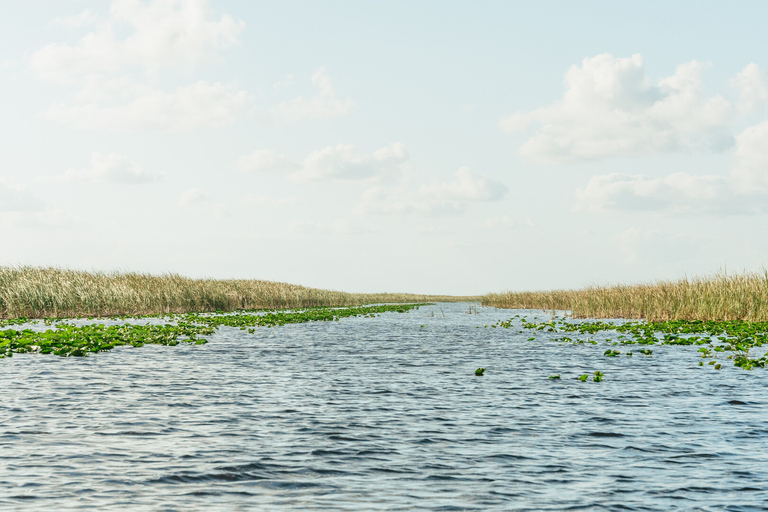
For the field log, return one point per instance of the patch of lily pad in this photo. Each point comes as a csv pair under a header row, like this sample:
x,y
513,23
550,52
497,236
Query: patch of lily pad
x,y
736,340
67,339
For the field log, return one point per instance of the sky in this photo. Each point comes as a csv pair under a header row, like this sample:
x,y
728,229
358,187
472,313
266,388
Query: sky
x,y
437,147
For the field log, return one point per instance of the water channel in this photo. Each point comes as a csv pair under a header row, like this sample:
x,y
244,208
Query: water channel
x,y
381,413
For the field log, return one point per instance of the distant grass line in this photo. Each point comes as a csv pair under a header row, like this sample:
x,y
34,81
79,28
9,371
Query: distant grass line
x,y
718,297
43,292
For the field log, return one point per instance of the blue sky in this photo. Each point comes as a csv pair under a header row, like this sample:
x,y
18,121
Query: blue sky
x,y
436,147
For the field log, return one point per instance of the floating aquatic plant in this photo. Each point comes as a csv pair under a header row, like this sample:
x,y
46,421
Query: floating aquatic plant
x,y
479,372
81,340
738,337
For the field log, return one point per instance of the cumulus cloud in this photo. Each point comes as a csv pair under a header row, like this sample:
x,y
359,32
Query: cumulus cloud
x,y
610,107
194,198
750,171
323,104
200,201
193,106
85,18
339,227
743,191
343,162
385,167
505,222
15,197
445,197
110,168
678,194
265,160
752,85
159,33
339,163
283,84
265,200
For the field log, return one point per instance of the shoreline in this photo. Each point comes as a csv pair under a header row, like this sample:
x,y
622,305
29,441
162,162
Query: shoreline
x,y
721,297
50,292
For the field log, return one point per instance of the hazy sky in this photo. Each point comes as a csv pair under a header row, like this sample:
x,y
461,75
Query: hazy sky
x,y
419,146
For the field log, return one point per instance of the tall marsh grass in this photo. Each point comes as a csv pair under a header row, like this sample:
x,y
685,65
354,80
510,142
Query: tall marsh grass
x,y
719,297
39,292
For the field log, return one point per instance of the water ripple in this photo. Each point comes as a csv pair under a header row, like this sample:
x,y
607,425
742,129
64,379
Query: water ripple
x,y
380,414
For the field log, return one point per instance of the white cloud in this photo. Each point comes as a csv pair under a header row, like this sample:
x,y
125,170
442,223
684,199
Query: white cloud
x,y
194,198
15,197
85,18
677,194
339,227
284,83
323,104
199,201
339,163
435,197
160,33
610,107
743,191
193,106
753,88
265,200
265,160
342,162
110,168
750,172
506,222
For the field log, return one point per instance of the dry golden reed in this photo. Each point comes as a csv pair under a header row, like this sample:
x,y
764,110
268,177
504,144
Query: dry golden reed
x,y
40,292
718,297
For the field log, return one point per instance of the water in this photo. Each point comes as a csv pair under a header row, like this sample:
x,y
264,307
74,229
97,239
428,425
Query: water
x,y
381,414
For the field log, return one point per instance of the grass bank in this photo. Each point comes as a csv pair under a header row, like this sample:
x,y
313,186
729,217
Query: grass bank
x,y
40,292
719,297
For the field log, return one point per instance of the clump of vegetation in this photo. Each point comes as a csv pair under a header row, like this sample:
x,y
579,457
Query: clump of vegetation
x,y
738,339
38,292
479,372
596,377
80,340
721,297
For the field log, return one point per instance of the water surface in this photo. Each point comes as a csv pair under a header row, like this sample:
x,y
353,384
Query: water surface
x,y
381,413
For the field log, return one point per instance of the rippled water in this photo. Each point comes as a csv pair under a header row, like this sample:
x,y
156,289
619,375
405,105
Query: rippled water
x,y
381,414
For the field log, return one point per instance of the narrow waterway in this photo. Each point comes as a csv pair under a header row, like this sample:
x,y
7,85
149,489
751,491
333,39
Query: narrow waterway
x,y
381,413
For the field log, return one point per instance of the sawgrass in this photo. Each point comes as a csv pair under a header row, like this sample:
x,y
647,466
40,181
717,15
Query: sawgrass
x,y
41,292
718,297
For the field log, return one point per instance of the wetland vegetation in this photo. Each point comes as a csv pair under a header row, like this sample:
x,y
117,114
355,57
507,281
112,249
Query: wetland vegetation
x,y
39,292
737,340
725,316
721,297
68,339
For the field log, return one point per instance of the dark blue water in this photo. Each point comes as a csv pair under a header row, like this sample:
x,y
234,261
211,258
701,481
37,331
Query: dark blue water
x,y
381,414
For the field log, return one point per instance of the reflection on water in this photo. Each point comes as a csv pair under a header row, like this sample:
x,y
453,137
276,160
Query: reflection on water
x,y
381,414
